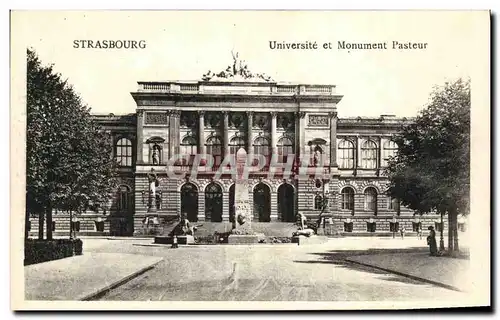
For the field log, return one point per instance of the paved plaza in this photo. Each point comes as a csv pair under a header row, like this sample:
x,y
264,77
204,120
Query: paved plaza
x,y
280,272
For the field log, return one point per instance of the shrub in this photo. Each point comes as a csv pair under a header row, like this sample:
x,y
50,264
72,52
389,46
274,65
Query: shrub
x,y
36,251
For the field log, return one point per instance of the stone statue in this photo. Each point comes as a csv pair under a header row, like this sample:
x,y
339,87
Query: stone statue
x,y
184,227
301,220
238,68
303,229
153,183
235,62
317,158
158,200
156,156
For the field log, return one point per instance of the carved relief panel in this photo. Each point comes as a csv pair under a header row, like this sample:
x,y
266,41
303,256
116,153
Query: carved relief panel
x,y
157,118
317,120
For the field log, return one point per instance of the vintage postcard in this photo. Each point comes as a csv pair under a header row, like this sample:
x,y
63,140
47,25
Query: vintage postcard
x,y
236,160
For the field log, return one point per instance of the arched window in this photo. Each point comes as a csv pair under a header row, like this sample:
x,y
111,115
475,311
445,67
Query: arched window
x,y
188,147
369,155
214,148
371,199
124,199
318,202
189,201
235,144
124,152
346,154
390,150
261,146
285,148
347,198
213,202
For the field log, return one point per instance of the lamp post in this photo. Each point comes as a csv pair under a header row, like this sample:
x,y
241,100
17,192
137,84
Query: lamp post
x,y
393,227
441,241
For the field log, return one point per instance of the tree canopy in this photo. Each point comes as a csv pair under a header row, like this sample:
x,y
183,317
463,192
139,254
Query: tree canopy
x,y
68,156
431,170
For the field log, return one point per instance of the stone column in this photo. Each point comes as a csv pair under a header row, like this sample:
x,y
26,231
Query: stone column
x,y
112,142
139,140
358,152
201,133
379,156
273,132
250,133
333,139
226,132
171,136
177,130
380,151
300,135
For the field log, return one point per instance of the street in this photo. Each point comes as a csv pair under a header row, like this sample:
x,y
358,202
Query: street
x,y
281,272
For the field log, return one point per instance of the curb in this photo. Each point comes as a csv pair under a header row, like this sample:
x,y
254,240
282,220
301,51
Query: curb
x,y
436,283
100,292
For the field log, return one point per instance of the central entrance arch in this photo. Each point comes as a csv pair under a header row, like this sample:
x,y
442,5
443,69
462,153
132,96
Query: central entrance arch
x,y
189,201
262,203
213,202
286,202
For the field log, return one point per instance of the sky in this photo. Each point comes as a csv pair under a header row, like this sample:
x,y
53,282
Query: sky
x,y
183,45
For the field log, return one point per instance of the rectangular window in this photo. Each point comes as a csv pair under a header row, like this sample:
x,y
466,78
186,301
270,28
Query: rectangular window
x,y
394,226
99,226
75,225
371,227
416,226
348,226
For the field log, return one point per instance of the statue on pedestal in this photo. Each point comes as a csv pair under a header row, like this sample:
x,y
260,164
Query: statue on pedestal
x,y
155,156
184,227
153,182
303,229
243,215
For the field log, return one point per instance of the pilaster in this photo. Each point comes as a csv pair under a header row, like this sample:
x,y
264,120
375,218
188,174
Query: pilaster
x,y
333,139
201,132
250,133
225,131
273,132
140,138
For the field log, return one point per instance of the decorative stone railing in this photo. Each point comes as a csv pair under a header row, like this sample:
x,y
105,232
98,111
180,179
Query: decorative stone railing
x,y
230,87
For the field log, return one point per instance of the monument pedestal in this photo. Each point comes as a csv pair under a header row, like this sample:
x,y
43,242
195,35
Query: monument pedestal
x,y
243,239
303,240
169,240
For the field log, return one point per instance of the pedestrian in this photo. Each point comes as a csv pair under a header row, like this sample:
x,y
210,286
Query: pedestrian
x,y
431,241
419,232
403,231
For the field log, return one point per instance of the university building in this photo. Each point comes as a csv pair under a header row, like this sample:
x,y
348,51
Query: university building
x,y
344,157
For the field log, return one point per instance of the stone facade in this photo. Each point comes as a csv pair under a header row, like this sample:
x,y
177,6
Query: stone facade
x,y
347,156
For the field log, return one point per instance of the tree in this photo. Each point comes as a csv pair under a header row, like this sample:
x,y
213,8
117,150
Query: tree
x,y
431,170
68,162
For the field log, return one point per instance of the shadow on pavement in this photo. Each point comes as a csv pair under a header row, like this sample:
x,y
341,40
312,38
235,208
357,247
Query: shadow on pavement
x,y
336,258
